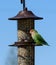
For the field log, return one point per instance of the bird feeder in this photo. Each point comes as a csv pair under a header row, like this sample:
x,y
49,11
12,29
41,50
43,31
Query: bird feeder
x,y
25,22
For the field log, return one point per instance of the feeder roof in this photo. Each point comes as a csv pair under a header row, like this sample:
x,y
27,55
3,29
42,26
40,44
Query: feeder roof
x,y
25,14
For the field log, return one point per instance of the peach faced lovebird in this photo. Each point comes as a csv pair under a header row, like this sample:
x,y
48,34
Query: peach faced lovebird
x,y
37,38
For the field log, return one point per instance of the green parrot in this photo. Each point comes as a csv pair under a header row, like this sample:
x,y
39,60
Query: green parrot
x,y
37,38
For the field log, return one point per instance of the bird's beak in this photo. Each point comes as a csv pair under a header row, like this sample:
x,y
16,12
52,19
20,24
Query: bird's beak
x,y
30,32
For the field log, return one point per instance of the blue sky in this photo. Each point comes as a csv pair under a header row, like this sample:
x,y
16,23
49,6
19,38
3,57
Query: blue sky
x,y
46,27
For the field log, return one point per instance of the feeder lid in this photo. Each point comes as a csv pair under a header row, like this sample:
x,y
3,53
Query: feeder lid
x,y
25,14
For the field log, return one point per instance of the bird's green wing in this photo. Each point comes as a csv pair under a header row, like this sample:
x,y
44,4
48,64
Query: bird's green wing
x,y
35,38
40,38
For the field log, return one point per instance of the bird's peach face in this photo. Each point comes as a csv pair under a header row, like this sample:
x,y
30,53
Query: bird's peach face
x,y
31,31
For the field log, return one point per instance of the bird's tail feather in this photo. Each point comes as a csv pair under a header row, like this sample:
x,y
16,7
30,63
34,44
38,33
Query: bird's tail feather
x,y
46,44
